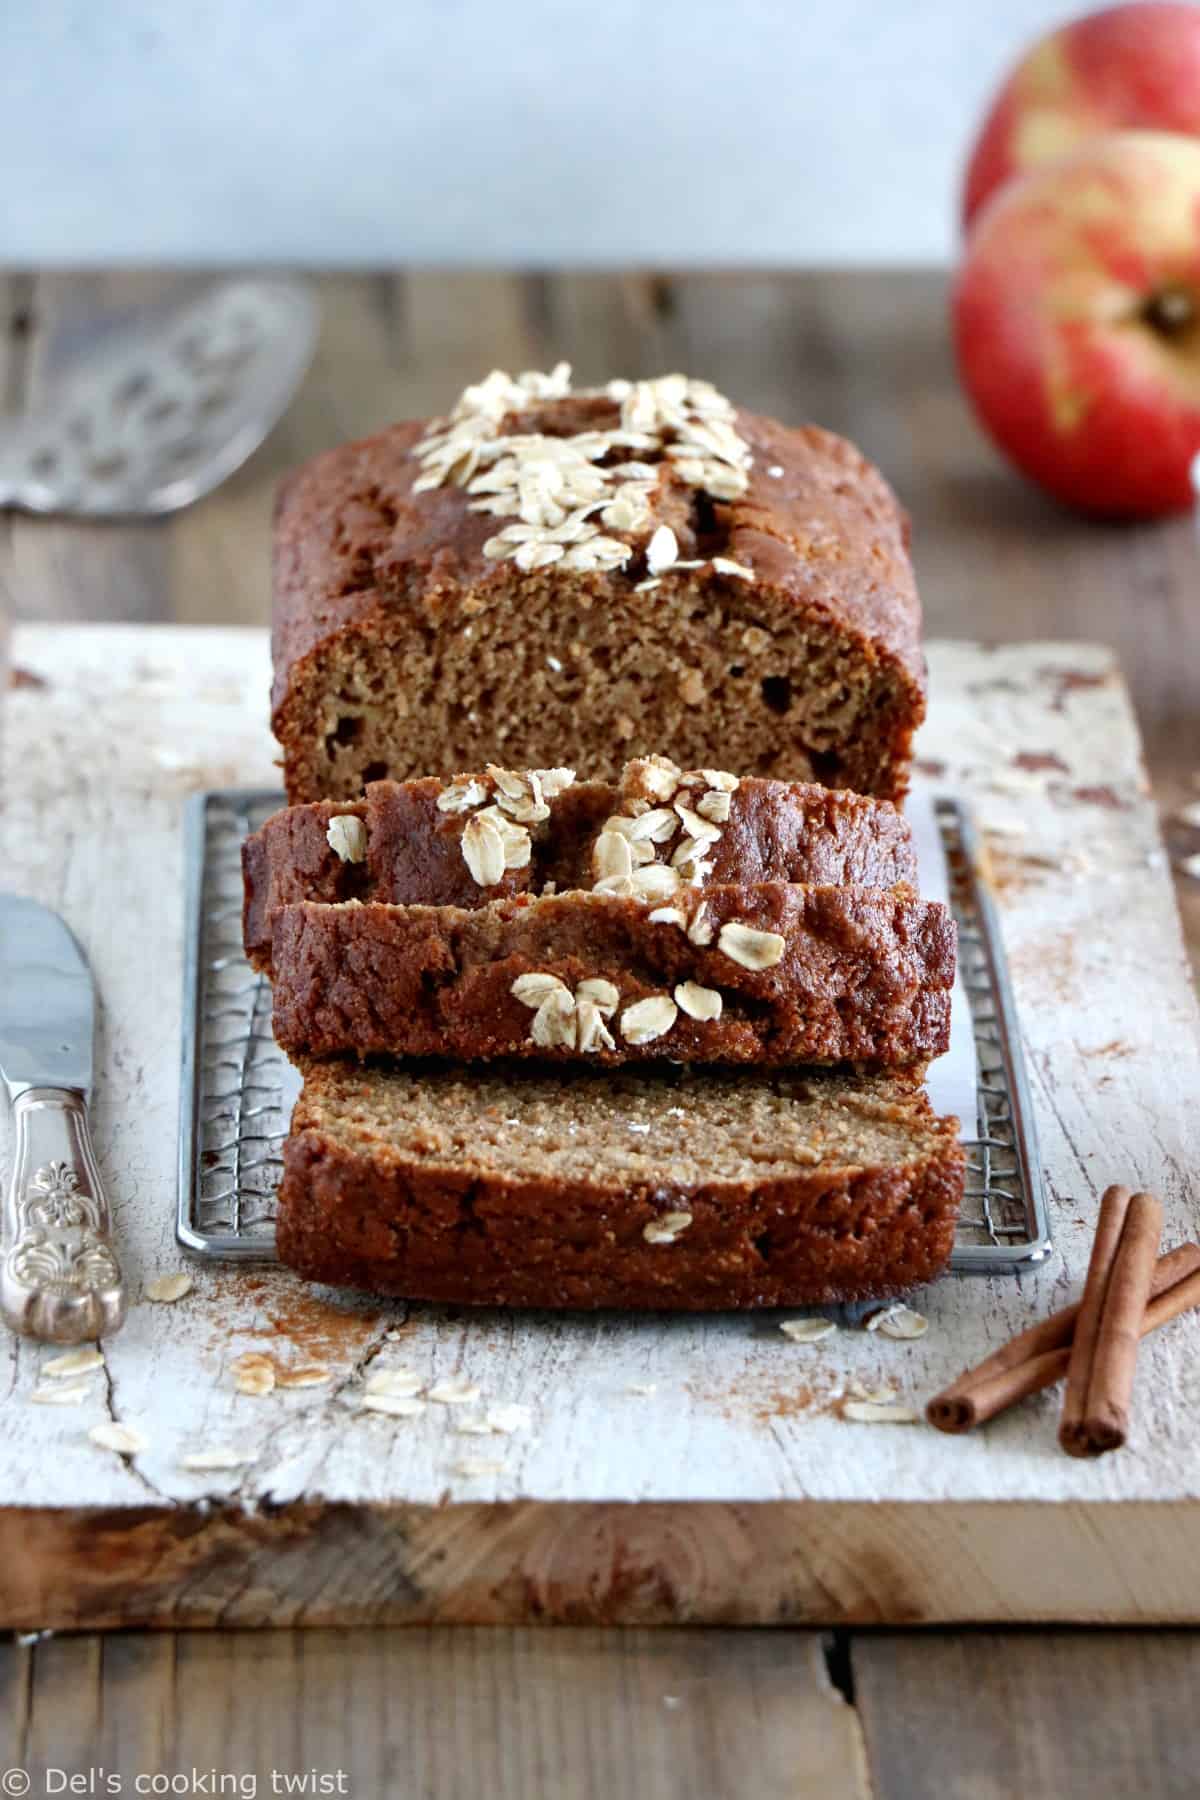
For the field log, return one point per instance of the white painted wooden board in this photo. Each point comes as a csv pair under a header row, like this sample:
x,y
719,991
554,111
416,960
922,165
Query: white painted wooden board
x,y
755,1499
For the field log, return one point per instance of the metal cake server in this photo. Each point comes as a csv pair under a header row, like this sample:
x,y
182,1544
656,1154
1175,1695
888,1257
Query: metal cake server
x,y
157,415
59,1275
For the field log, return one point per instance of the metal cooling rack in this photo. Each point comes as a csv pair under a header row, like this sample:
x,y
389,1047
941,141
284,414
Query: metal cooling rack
x,y
238,1088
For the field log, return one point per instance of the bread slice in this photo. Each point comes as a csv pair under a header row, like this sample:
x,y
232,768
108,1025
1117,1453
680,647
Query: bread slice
x,y
404,842
618,570
659,1189
773,973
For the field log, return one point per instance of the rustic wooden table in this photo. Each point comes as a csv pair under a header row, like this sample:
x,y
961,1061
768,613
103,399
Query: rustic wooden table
x,y
457,1712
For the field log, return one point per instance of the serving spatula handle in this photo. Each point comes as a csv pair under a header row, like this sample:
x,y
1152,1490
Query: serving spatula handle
x,y
59,1275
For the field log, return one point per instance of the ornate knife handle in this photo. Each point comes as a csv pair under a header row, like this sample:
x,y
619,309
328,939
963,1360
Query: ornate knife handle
x,y
59,1276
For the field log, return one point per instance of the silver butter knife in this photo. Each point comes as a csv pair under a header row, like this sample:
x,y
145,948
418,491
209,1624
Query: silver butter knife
x,y
59,1275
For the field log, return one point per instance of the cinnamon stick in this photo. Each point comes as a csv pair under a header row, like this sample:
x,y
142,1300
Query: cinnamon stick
x,y
1038,1357
1095,1415
1114,1207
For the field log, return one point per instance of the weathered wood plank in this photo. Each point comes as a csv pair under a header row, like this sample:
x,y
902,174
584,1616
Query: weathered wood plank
x,y
521,1715
1016,1714
740,1420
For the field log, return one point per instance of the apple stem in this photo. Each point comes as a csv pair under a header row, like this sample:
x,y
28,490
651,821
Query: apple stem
x,y
1171,310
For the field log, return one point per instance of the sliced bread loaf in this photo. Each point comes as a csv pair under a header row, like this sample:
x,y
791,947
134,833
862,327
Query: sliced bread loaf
x,y
414,842
663,1189
619,570
771,973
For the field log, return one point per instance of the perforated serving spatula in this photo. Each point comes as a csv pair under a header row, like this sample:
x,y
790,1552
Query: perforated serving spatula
x,y
59,1275
156,416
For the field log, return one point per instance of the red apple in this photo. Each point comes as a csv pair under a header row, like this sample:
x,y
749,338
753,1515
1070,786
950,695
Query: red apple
x,y
1127,67
1077,322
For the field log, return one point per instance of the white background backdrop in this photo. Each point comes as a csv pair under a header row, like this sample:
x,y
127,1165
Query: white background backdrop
x,y
508,131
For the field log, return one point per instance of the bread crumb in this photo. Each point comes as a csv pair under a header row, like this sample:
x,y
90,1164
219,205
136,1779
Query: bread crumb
x,y
456,1390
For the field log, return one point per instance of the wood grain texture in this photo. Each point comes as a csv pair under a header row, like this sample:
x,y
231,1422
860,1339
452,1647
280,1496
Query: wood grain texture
x,y
741,1424
443,1715
1107,1714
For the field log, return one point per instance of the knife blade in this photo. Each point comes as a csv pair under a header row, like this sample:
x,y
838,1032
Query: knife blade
x,y
59,1275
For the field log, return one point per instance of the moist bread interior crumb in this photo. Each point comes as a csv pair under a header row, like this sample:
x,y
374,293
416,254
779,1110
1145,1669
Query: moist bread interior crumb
x,y
624,1128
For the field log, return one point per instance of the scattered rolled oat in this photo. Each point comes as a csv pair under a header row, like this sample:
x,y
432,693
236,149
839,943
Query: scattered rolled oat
x,y
898,1321
666,1228
1190,866
554,781
655,882
394,1381
648,1019
256,1382
253,1373
657,776
126,1440
61,1393
879,1396
555,1023
612,857
642,1389
347,837
807,1331
456,1390
600,992
698,1002
879,1412
701,831
396,1406
220,1457
669,915
473,1427
73,1362
592,1033
725,565
304,1375
752,948
662,550
461,796
552,487
483,851
168,1288
701,931
1189,815
653,826
715,806
536,987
